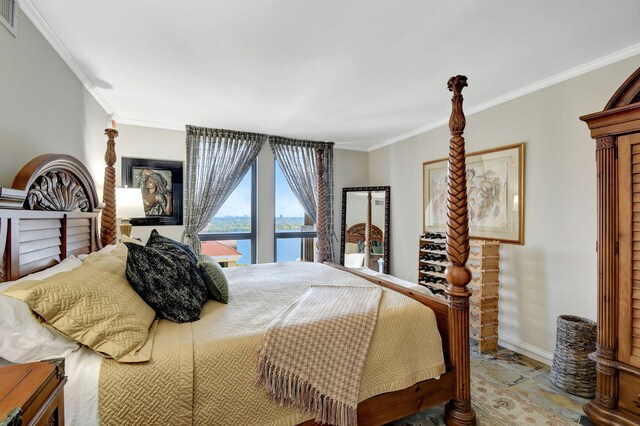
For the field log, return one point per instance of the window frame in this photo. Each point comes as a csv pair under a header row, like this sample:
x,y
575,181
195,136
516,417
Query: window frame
x,y
285,234
213,236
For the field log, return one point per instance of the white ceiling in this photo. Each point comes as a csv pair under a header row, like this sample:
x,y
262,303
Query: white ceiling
x,y
358,72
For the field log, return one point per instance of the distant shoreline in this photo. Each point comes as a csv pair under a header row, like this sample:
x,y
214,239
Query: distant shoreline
x,y
227,224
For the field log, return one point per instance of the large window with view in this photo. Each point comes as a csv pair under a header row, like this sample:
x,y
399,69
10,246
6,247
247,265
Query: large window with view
x,y
230,236
294,230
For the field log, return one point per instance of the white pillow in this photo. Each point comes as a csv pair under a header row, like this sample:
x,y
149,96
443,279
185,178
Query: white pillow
x,y
22,337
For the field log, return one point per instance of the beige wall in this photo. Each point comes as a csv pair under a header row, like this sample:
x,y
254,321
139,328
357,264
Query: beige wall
x,y
44,108
554,273
350,169
145,142
150,143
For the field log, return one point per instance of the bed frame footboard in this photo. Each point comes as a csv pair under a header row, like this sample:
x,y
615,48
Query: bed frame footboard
x,y
452,314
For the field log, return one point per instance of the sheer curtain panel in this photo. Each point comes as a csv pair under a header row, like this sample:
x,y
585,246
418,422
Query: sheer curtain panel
x,y
297,159
217,160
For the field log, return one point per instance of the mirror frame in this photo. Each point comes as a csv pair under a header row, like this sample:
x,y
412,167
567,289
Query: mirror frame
x,y
387,215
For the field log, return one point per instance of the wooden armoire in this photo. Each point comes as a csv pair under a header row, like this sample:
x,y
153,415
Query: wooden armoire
x,y
616,130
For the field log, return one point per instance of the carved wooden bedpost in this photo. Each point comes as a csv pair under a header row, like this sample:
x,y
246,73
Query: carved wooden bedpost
x,y
321,219
367,233
108,231
458,410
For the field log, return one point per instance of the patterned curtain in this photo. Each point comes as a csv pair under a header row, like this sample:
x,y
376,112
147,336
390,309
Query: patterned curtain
x,y
297,159
217,160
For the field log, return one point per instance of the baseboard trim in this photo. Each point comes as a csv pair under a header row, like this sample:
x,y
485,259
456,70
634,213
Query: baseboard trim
x,y
526,349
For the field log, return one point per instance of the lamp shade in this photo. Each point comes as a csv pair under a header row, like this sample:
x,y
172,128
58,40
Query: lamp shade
x,y
129,203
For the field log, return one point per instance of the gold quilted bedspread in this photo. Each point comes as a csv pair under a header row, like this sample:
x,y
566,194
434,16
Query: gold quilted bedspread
x,y
204,373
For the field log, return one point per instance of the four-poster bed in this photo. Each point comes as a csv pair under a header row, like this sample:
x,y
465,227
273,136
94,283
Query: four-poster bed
x,y
31,240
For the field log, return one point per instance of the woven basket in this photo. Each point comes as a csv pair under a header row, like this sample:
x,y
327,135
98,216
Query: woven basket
x,y
572,369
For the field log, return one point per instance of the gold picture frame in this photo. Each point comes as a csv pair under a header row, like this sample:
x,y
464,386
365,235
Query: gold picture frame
x,y
495,189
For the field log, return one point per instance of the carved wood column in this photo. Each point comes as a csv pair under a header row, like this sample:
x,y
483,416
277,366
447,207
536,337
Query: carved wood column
x,y
458,410
607,376
108,225
321,219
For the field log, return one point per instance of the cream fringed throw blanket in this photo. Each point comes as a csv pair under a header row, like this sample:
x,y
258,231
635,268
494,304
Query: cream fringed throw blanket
x,y
313,354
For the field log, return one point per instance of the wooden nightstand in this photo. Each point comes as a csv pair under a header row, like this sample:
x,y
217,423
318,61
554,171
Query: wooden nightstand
x,y
32,394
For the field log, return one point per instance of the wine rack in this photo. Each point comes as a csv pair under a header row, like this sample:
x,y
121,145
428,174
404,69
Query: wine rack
x,y
484,263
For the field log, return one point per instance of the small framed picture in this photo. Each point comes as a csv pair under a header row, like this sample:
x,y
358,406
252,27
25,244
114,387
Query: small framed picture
x,y
161,185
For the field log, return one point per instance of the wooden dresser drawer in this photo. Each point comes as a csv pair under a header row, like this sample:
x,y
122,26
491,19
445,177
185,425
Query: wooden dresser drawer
x,y
32,393
629,399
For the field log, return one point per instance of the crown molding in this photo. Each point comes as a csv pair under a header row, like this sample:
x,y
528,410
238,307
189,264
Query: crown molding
x,y
419,130
47,32
347,146
156,124
547,82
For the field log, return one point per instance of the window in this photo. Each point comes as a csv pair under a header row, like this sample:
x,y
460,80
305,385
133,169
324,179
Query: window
x,y
9,15
230,237
294,230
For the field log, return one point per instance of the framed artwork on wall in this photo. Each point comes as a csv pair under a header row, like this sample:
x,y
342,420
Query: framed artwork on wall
x,y
495,189
161,185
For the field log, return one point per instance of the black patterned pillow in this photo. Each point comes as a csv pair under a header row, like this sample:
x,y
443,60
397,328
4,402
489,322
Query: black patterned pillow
x,y
166,281
163,243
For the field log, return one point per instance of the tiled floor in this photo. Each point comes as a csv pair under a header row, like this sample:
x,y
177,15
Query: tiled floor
x,y
520,377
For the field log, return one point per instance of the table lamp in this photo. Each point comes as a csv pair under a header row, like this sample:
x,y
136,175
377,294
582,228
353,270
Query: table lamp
x,y
128,205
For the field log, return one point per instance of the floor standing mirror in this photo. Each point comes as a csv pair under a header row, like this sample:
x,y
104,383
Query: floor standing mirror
x,y
365,227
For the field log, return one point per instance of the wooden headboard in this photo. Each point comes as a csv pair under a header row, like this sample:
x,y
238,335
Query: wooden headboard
x,y
49,212
357,233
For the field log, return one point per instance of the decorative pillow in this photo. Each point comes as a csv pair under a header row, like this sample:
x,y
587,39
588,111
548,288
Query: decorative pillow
x,y
161,242
120,250
93,304
351,248
360,246
22,337
214,278
167,281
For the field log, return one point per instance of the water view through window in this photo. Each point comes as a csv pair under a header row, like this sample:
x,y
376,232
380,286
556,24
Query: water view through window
x,y
235,213
229,235
235,220
289,219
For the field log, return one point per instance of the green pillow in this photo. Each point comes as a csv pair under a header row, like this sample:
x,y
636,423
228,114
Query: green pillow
x,y
214,278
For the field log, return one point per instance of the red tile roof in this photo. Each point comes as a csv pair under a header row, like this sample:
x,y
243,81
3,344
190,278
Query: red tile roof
x,y
217,249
